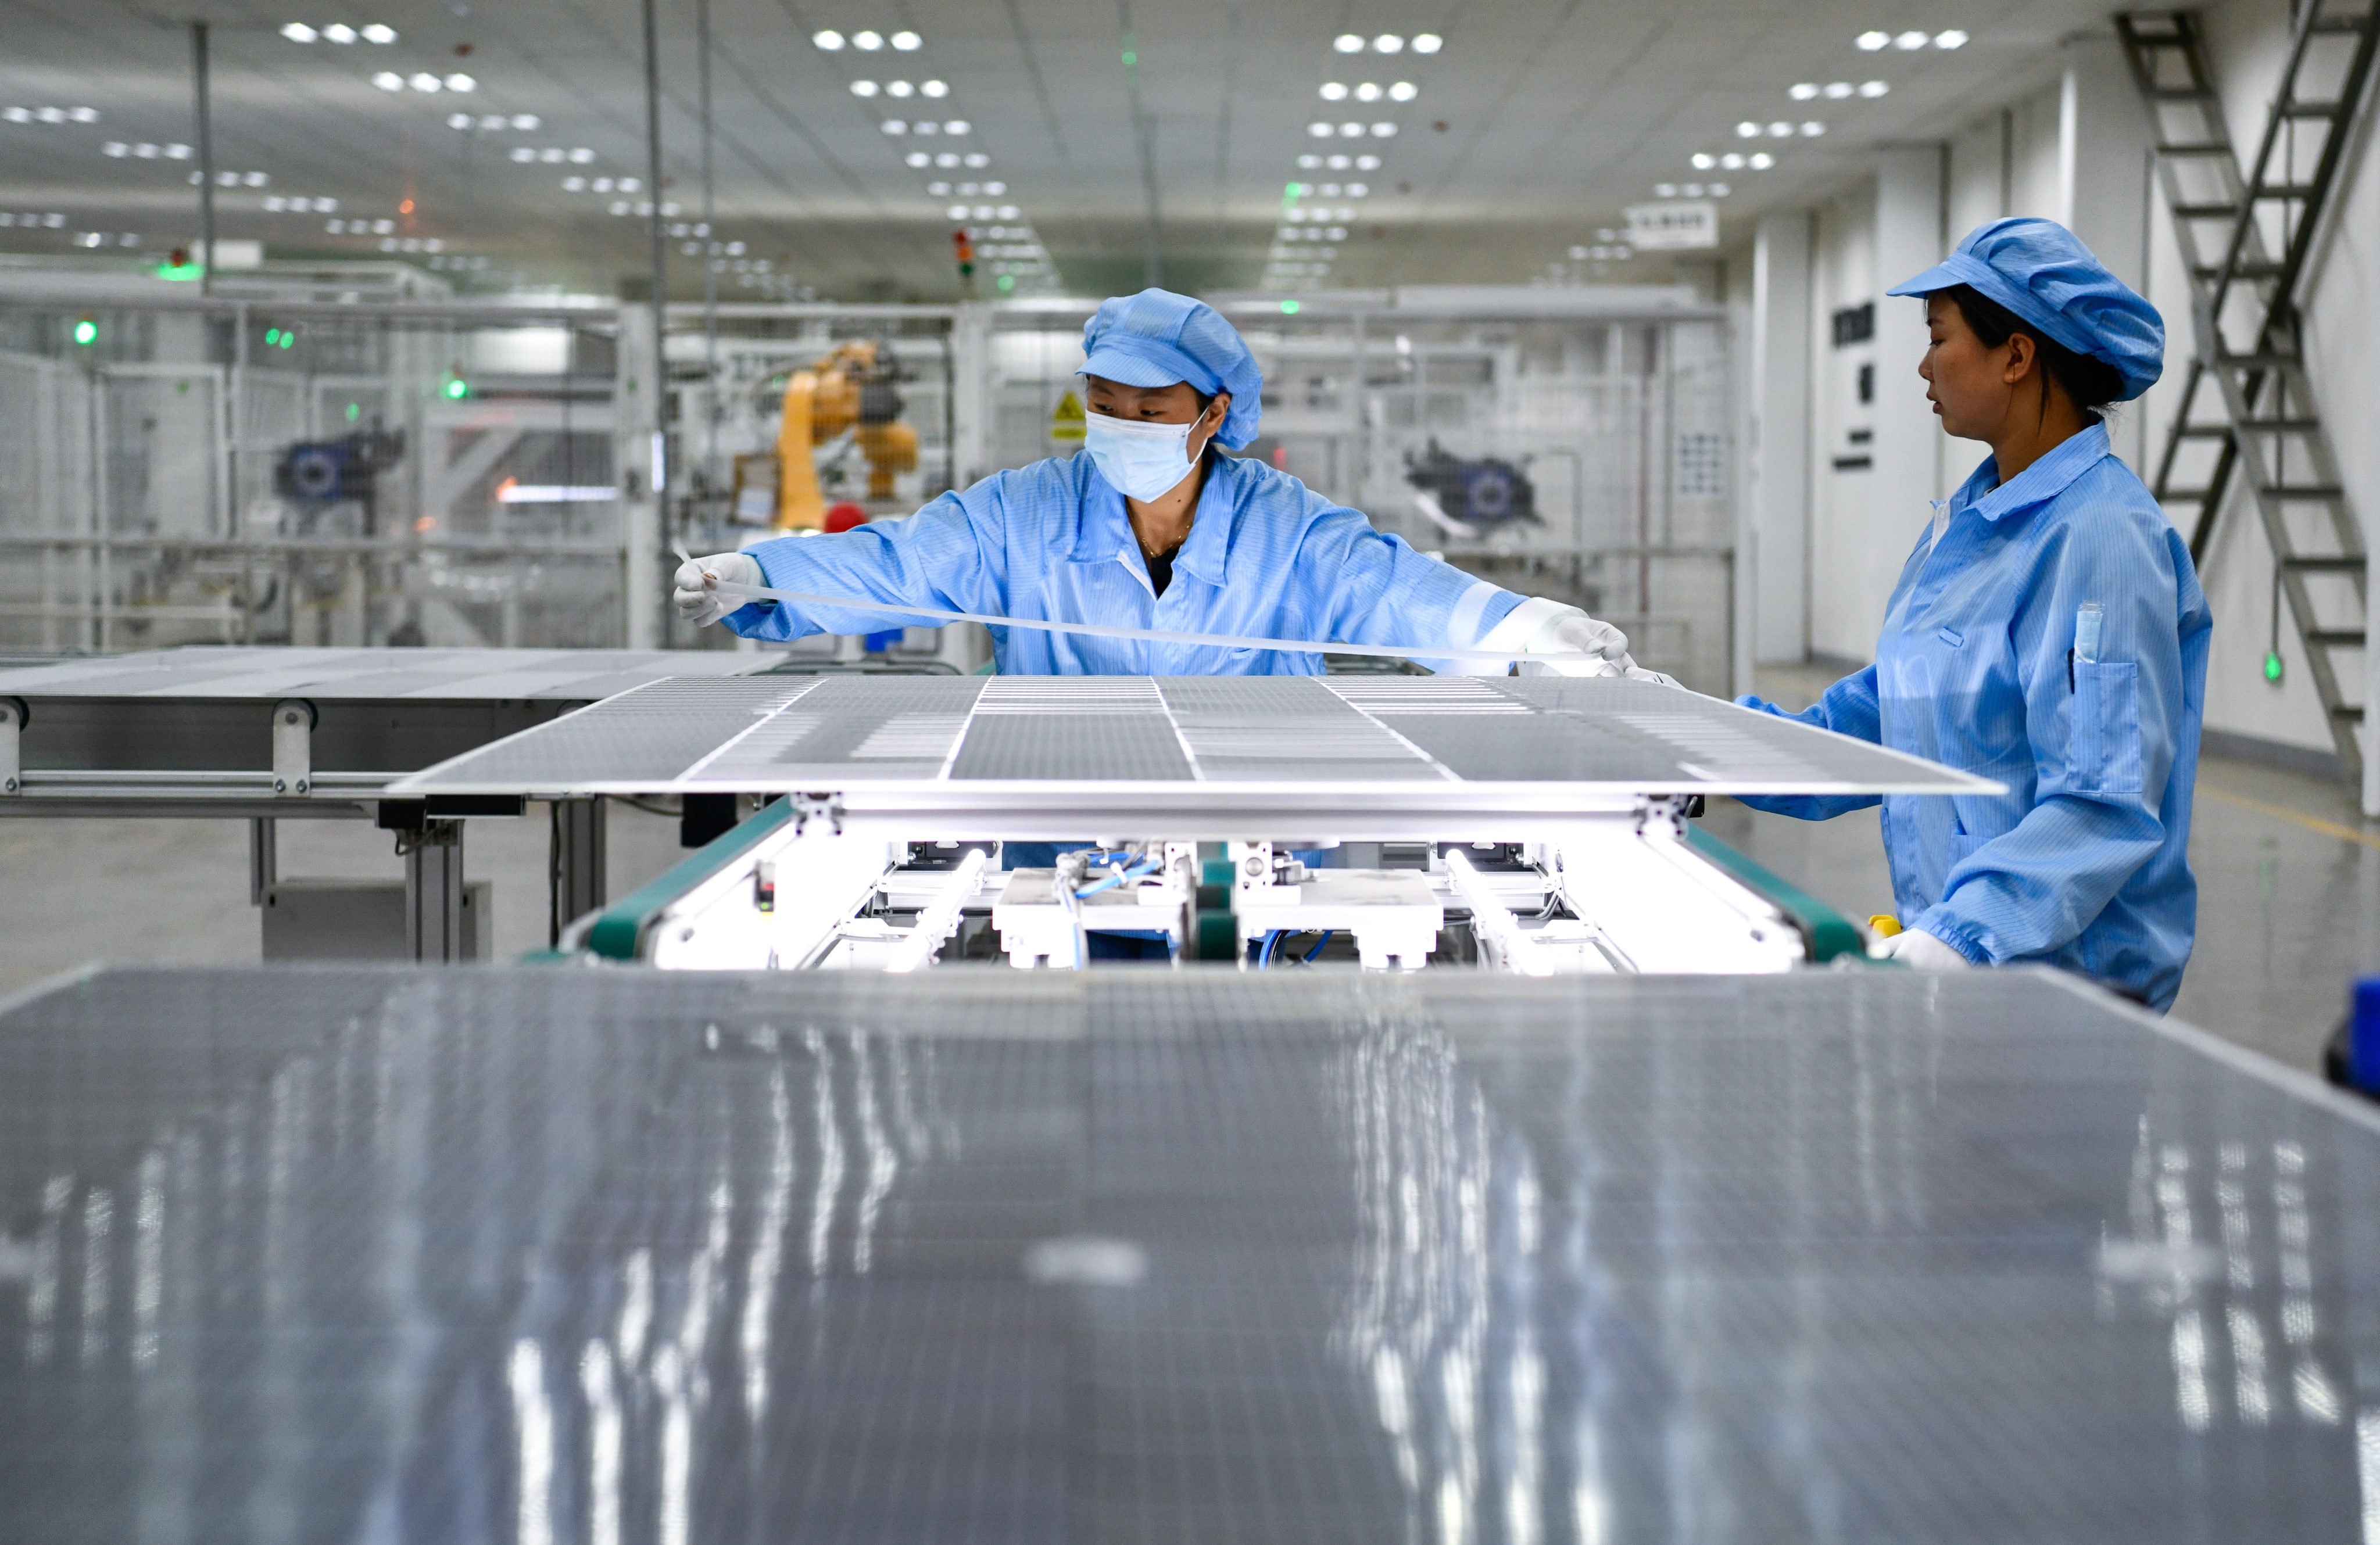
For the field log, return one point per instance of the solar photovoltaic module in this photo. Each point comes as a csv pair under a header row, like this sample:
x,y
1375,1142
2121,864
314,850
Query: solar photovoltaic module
x,y
575,1256
1452,738
378,675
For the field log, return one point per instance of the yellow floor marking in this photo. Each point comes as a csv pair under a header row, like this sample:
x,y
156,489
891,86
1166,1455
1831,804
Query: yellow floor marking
x,y
2295,818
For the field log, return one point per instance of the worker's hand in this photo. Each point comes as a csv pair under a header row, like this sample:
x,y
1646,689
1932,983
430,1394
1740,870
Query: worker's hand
x,y
1635,672
1915,947
696,601
1571,631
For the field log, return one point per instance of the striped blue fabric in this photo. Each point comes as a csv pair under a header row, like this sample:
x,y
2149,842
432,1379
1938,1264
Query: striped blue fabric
x,y
2084,863
1267,557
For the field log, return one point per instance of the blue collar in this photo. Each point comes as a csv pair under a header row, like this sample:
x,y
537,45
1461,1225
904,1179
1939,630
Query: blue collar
x,y
1104,531
2038,483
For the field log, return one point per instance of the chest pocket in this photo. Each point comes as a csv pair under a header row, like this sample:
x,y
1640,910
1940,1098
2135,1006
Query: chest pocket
x,y
2103,745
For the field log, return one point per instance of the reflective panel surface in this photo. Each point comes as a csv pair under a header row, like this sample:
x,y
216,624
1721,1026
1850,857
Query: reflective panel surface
x,y
571,1255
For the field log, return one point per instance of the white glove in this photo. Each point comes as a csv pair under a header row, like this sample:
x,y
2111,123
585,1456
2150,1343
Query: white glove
x,y
1915,947
1635,672
696,601
1571,631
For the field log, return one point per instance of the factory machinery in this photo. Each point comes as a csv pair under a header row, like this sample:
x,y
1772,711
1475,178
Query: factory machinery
x,y
1534,824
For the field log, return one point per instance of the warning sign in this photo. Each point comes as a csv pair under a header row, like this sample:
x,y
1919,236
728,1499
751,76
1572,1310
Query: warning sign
x,y
1066,418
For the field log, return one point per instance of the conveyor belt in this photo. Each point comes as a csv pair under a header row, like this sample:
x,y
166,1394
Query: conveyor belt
x,y
1460,738
575,1255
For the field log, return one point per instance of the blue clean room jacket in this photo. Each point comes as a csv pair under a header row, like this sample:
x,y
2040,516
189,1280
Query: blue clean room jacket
x,y
1266,557
2084,862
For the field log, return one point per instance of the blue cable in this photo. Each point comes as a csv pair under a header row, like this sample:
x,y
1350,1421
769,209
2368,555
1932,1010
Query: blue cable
x,y
1148,866
1271,942
1307,958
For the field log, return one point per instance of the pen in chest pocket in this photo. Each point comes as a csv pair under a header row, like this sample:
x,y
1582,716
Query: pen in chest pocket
x,y
2089,620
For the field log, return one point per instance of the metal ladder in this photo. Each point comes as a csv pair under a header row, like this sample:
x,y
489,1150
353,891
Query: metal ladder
x,y
2245,240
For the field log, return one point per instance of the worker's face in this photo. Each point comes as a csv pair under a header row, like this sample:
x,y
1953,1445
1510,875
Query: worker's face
x,y
1974,389
1176,404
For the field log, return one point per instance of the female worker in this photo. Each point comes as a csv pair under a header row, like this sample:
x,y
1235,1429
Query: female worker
x,y
2048,632
1153,528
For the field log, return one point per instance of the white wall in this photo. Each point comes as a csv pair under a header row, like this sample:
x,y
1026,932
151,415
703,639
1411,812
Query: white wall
x,y
1843,616
1777,399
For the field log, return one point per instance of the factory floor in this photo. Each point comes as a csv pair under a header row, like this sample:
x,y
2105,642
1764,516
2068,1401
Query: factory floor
x,y
2288,877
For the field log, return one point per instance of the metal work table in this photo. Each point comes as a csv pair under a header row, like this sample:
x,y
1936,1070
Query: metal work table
x,y
273,734
598,1255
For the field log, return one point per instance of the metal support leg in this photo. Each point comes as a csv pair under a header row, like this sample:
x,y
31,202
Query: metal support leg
x,y
704,817
435,926
263,858
575,859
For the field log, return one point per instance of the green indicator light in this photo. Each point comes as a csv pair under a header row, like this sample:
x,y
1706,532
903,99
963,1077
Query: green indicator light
x,y
179,271
271,337
1289,308
1130,57
1007,282
354,411
288,338
458,390
85,333
2272,666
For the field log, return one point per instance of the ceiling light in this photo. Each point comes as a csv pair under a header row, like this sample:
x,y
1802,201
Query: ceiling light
x,y
863,88
297,31
17,115
1909,43
1334,90
1747,130
866,42
1348,42
83,115
523,153
996,189
274,203
425,81
920,159
573,185
619,206
176,152
51,114
938,189
1384,132
1813,129
1388,42
1576,253
1802,91
377,32
1872,88
1665,190
1731,161
907,42
1428,42
1403,90
894,125
1951,39
1367,164
461,83
114,148
1837,89
600,185
1760,161
1319,131
463,120
256,179
977,158
1870,41
1357,190
1367,91
627,185
1704,161
1007,211
581,155
936,87
830,39
389,81
1718,190
1692,190
520,120
1780,132
339,33
956,211
958,126
1309,162
969,190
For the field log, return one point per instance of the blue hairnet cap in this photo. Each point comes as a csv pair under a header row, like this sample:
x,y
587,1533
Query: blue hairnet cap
x,y
2041,270
1157,338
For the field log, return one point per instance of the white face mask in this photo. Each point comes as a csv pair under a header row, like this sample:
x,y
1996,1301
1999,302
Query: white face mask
x,y
1139,459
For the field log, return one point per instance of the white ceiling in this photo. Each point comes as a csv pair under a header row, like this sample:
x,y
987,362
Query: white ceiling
x,y
1534,125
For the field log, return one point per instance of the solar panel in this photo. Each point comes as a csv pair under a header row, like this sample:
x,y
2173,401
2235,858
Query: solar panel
x,y
1453,737
539,1254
